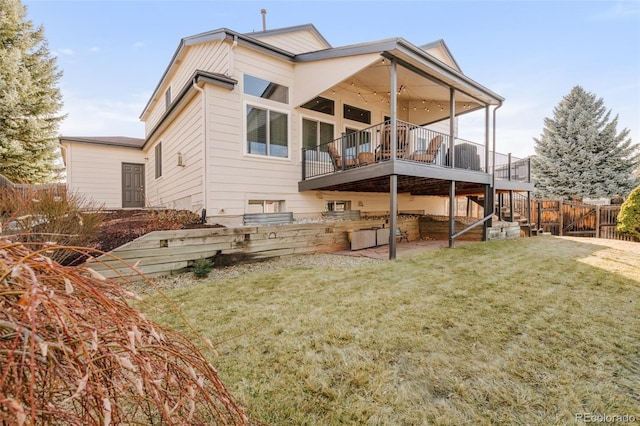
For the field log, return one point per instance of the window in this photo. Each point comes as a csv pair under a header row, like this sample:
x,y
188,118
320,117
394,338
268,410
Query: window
x,y
266,206
358,140
337,206
356,114
158,158
315,133
265,89
320,104
421,145
315,136
167,98
267,132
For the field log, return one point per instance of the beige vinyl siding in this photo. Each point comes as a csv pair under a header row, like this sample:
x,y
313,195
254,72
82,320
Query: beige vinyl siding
x,y
210,57
264,66
96,171
234,176
179,187
295,42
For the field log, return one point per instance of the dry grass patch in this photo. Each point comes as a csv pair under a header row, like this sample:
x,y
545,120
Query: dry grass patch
x,y
506,332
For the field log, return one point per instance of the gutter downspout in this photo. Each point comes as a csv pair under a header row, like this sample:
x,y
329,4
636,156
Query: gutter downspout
x,y
493,161
232,56
205,151
65,153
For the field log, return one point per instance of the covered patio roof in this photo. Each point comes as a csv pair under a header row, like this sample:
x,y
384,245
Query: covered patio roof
x,y
423,81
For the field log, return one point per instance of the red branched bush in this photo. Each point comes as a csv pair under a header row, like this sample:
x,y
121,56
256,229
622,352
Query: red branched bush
x,y
74,352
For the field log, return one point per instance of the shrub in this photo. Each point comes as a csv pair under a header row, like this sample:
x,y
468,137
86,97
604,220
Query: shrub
x,y
73,351
176,218
47,217
202,267
629,216
120,227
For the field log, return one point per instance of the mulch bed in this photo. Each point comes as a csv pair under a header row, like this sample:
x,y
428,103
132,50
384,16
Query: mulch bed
x,y
122,226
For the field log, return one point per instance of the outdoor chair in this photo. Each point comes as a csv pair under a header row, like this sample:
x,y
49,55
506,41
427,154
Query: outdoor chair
x,y
428,155
402,235
365,158
383,151
336,158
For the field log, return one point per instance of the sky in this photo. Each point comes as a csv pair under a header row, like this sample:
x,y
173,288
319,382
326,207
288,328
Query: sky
x,y
532,53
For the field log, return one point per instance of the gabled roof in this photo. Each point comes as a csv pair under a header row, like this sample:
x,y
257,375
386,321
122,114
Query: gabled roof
x,y
289,30
432,60
198,77
120,141
217,35
440,45
412,57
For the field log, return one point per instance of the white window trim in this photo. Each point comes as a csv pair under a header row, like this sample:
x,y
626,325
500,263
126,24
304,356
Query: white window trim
x,y
268,105
168,98
155,161
318,119
258,98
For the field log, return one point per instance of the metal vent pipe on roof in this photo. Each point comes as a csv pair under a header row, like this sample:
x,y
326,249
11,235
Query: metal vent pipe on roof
x,y
264,19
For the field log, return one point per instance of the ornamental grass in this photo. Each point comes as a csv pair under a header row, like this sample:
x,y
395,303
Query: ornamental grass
x,y
73,351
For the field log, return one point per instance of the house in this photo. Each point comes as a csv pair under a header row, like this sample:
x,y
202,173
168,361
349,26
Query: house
x,y
280,121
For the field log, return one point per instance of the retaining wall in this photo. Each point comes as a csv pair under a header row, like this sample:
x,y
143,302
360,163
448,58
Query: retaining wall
x,y
167,252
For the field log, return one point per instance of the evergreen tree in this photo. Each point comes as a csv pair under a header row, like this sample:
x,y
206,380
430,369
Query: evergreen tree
x,y
580,153
629,216
29,99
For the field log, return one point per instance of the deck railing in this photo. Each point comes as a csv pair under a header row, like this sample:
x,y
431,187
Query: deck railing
x,y
512,168
414,143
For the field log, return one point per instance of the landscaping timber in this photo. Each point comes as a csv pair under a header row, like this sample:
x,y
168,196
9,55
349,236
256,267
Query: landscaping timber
x,y
166,252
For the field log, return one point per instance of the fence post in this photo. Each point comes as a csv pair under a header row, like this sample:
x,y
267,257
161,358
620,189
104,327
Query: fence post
x,y
560,218
597,221
529,211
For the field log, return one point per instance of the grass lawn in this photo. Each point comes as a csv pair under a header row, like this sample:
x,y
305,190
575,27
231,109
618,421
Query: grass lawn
x,y
527,331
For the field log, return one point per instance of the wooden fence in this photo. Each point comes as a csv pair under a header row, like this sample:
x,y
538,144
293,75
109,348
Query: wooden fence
x,y
27,189
561,217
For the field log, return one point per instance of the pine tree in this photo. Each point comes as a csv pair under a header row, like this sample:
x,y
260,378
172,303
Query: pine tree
x,y
580,153
629,216
30,100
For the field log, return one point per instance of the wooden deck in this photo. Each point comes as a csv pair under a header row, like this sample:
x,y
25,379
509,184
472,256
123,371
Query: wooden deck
x,y
362,162
413,177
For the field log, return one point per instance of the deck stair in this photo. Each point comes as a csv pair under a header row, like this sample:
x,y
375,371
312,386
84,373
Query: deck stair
x,y
504,213
517,217
478,199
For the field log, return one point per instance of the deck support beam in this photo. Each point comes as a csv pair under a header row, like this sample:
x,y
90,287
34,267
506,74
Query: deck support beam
x,y
393,179
511,206
452,212
393,215
488,210
452,163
